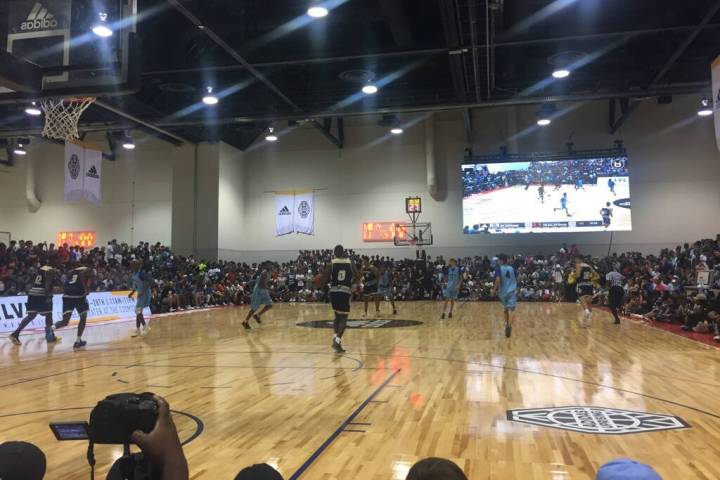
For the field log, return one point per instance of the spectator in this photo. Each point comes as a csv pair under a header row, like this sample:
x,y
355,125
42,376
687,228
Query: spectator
x,y
21,461
626,469
260,471
435,469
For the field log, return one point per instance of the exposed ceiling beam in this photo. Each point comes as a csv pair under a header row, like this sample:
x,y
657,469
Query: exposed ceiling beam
x,y
397,19
241,60
169,136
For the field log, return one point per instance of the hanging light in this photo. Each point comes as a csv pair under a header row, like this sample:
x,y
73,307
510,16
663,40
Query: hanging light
x,y
545,114
544,122
100,27
317,11
271,137
561,73
20,150
705,108
128,142
33,109
396,130
369,89
210,98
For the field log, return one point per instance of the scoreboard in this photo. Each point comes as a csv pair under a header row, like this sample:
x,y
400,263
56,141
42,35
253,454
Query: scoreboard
x,y
76,239
381,232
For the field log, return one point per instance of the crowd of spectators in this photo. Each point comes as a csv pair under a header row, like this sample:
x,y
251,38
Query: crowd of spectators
x,y
656,289
478,179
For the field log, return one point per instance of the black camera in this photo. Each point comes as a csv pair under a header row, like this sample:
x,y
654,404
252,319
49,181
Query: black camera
x,y
113,419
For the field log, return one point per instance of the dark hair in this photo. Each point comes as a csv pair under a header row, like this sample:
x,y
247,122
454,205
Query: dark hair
x,y
339,251
260,471
435,469
503,258
21,461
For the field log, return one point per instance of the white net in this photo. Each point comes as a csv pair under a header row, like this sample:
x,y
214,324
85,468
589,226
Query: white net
x,y
62,116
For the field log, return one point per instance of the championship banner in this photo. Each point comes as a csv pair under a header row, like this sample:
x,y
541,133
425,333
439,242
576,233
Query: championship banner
x,y
284,208
74,169
305,212
93,173
104,306
716,98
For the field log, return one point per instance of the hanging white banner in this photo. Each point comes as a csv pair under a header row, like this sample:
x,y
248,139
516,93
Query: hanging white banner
x,y
93,172
74,171
305,212
716,98
284,208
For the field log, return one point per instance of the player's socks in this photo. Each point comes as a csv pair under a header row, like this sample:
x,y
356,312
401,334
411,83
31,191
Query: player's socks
x,y
14,339
508,329
394,312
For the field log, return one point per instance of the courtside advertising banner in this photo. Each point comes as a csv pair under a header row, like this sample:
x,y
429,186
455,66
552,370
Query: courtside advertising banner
x,y
716,98
284,208
93,174
104,306
74,171
305,212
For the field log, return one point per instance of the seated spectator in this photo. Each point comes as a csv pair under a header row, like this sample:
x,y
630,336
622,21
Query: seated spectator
x,y
696,313
626,469
435,469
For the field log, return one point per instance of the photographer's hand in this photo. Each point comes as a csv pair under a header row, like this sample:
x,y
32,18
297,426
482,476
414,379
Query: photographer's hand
x,y
162,445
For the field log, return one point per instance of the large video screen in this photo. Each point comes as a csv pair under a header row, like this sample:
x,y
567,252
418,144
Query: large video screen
x,y
584,195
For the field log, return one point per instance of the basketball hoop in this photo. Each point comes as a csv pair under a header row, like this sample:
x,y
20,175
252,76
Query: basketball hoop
x,y
62,116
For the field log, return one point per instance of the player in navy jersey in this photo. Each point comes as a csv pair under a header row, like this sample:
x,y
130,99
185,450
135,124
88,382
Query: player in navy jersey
x,y
141,283
584,275
39,301
370,277
75,299
606,213
541,193
340,274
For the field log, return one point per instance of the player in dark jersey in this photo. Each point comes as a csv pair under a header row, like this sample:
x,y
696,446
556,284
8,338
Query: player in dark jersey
x,y
39,300
370,278
584,275
606,213
75,298
541,193
340,274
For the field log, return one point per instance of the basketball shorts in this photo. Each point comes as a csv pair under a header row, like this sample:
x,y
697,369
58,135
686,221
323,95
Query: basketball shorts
x,y
340,302
370,290
38,304
616,296
508,300
385,292
585,290
79,304
451,293
606,221
260,296
142,302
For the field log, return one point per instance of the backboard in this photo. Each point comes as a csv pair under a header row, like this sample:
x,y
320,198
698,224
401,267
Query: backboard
x,y
48,49
413,234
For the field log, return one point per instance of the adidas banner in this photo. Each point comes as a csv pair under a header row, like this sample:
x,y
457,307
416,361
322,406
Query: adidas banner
x,y
83,170
93,172
284,208
304,221
716,97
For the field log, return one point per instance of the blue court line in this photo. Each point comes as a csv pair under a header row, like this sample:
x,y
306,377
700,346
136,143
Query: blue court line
x,y
357,431
359,423
340,429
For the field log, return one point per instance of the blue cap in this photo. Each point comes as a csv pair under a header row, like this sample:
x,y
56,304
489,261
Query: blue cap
x,y
626,469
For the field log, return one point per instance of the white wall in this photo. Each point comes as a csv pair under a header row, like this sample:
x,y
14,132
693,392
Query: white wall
x,y
231,204
149,167
675,179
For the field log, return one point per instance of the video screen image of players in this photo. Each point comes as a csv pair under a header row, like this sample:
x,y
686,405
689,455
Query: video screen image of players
x,y
584,195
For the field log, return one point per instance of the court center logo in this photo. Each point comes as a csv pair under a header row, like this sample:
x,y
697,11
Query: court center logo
x,y
599,420
74,166
304,209
368,323
622,203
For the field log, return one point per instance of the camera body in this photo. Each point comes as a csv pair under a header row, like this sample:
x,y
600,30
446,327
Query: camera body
x,y
115,418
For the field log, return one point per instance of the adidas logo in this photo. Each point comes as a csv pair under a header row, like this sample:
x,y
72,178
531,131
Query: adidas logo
x,y
92,173
284,211
39,19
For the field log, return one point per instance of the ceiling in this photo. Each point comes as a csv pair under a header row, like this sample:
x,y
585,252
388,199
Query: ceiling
x,y
271,62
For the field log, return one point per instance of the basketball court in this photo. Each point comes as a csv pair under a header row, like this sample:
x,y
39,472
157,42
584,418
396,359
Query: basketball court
x,y
402,392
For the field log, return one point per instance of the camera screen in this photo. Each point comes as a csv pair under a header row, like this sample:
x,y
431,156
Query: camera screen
x,y
70,431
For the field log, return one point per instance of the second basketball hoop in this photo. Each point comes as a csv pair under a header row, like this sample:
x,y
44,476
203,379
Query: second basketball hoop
x,y
413,234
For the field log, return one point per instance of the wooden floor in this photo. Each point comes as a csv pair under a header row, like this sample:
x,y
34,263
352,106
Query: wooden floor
x,y
276,394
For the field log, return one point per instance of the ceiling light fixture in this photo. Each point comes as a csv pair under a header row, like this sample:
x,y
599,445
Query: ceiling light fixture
x,y
369,89
561,73
271,137
210,98
33,109
317,11
396,131
20,150
100,28
544,122
705,108
545,114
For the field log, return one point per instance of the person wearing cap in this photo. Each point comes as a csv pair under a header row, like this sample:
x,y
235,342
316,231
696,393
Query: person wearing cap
x,y
626,469
696,313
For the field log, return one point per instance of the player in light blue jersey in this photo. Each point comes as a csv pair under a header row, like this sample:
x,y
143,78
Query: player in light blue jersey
x,y
452,287
506,289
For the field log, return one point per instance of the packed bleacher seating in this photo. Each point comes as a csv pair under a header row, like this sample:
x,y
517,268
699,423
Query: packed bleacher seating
x,y
659,287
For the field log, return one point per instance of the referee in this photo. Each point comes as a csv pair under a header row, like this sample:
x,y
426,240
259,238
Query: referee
x,y
615,298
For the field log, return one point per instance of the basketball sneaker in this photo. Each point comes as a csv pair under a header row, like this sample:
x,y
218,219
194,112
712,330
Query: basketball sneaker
x,y
14,339
79,344
134,332
50,337
246,325
144,330
257,319
337,346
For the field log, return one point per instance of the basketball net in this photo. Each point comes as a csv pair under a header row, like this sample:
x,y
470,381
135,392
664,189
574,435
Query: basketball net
x,y
62,116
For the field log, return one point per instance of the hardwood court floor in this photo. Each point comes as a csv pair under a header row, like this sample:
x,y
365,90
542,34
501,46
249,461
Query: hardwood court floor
x,y
277,394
